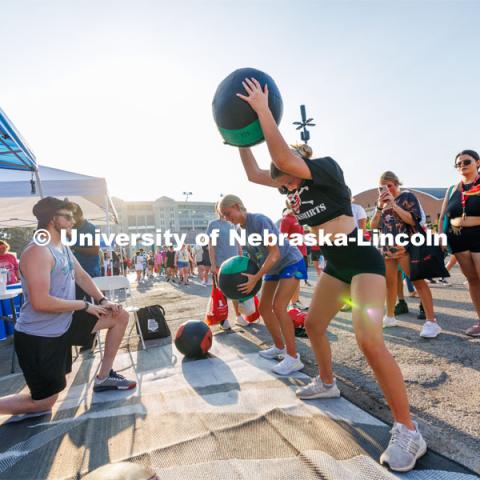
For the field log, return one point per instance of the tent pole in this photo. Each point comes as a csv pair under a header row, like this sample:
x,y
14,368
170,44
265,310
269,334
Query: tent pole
x,y
39,183
107,210
109,248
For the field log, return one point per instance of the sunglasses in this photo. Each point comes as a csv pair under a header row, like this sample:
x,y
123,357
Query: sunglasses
x,y
67,216
463,163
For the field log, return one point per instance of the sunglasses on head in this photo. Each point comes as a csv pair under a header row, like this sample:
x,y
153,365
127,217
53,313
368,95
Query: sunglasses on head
x,y
67,216
462,163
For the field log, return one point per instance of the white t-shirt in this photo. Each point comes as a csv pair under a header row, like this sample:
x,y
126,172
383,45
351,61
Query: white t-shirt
x,y
198,253
358,213
139,262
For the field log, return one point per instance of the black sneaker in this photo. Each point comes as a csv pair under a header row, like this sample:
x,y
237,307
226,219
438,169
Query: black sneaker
x,y
300,332
401,308
421,313
114,381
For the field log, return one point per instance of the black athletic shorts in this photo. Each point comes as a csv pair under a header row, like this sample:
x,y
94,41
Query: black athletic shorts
x,y
44,361
81,328
467,241
346,262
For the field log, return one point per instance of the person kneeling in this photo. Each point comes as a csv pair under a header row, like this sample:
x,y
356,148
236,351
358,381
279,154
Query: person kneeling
x,y
42,334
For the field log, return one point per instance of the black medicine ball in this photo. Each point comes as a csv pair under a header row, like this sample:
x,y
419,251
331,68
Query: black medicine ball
x,y
193,339
230,276
236,120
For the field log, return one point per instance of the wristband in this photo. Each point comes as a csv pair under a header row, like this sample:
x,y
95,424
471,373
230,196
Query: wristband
x,y
99,302
379,209
85,308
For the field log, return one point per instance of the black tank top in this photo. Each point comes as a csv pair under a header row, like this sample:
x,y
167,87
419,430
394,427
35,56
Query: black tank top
x,y
472,205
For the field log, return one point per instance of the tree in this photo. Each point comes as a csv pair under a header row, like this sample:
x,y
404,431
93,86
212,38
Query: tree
x,y
17,237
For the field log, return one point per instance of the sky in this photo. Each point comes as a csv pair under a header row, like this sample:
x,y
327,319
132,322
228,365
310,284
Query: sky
x,y
123,89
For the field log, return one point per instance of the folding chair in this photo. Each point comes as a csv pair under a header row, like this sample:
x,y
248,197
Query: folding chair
x,y
109,285
10,294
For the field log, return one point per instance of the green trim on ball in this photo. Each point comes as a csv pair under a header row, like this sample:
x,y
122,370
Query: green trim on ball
x,y
234,265
240,137
244,299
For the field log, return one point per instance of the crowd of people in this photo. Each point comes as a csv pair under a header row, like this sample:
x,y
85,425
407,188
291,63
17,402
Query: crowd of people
x,y
174,265
62,303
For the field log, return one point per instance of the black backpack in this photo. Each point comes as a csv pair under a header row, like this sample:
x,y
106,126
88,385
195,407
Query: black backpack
x,y
152,322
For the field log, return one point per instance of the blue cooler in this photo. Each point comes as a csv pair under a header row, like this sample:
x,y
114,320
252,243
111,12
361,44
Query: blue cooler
x,y
3,332
5,309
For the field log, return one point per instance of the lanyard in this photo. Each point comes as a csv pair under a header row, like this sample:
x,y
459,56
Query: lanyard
x,y
465,197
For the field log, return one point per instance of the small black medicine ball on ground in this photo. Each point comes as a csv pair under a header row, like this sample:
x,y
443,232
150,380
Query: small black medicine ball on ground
x,y
193,339
230,276
236,120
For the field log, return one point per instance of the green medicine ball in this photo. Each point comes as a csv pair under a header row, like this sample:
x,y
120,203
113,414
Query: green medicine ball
x,y
236,120
230,276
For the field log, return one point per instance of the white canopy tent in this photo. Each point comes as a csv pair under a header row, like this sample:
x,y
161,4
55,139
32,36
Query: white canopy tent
x,y
17,198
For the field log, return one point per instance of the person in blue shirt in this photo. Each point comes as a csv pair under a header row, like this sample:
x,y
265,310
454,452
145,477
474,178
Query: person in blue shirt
x,y
281,267
89,259
219,253
88,256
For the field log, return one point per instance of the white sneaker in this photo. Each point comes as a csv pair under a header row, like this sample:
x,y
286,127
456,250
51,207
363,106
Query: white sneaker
x,y
404,449
317,389
242,322
288,365
389,322
430,329
225,325
272,352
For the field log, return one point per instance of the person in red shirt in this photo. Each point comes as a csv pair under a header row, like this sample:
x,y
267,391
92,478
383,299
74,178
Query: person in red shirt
x,y
289,225
9,262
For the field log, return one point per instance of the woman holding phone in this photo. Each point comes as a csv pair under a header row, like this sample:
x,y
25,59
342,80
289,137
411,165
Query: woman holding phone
x,y
400,212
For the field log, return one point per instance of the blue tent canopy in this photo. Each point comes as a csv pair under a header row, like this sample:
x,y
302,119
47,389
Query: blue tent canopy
x,y
14,152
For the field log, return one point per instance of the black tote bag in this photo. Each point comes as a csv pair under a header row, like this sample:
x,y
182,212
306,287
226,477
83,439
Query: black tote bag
x,y
426,261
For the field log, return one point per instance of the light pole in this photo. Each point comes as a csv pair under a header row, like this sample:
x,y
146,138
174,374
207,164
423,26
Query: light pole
x,y
306,122
187,194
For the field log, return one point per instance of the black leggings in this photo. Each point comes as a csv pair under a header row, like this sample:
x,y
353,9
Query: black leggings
x,y
344,263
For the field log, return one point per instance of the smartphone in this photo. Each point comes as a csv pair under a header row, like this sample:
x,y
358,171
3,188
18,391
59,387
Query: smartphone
x,y
382,189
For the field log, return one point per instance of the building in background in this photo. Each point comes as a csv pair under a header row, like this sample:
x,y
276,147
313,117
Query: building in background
x,y
431,200
164,214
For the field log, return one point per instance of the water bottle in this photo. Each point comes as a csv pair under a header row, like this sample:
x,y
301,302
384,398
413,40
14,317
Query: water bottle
x,y
3,280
